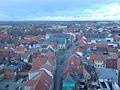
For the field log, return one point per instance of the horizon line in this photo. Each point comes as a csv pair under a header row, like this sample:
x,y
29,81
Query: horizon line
x,y
50,20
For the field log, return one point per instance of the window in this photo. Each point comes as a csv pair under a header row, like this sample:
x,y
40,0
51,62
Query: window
x,y
72,62
78,67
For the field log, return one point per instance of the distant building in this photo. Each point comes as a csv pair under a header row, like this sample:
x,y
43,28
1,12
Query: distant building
x,y
98,59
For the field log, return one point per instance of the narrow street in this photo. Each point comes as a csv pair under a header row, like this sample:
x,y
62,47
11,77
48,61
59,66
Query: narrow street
x,y
62,57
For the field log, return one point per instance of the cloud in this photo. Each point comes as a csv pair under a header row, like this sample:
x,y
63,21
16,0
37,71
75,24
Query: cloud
x,y
104,12
110,11
59,9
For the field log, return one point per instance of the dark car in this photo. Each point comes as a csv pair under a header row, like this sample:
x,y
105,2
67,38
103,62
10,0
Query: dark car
x,y
6,87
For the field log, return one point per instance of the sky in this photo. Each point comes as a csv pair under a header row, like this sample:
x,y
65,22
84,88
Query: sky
x,y
66,10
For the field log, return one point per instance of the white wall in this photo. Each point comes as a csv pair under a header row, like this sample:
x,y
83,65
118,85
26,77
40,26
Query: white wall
x,y
98,63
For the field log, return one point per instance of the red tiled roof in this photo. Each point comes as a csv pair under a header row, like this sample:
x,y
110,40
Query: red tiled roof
x,y
39,37
97,56
43,60
44,81
40,86
66,70
73,59
20,48
5,52
51,57
75,68
34,70
111,49
30,82
53,44
50,54
99,45
22,41
49,68
80,70
29,36
79,36
51,61
93,45
2,35
78,49
37,62
118,60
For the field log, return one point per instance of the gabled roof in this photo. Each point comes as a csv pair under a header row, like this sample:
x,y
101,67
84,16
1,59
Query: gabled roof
x,y
78,70
50,54
44,81
48,72
68,78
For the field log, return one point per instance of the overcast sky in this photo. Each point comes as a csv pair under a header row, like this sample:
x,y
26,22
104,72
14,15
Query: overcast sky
x,y
59,10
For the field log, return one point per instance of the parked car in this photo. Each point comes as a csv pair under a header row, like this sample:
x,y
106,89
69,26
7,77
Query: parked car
x,y
6,87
